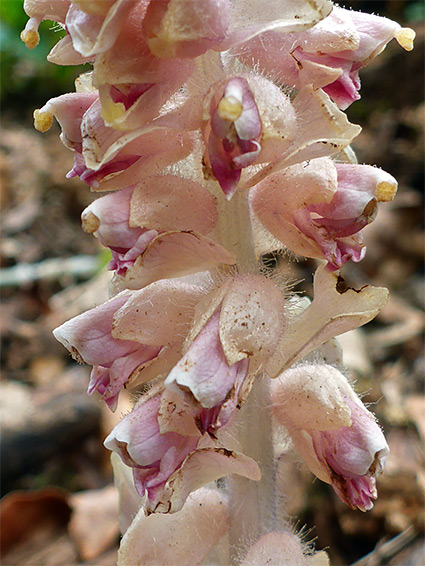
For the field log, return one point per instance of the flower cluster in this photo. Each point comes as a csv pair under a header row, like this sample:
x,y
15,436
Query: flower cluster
x,y
217,128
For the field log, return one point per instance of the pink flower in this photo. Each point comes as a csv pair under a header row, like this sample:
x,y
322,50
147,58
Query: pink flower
x,y
245,320
128,220
89,338
108,219
105,158
249,121
235,129
205,371
92,27
123,340
336,435
329,55
318,208
170,451
152,455
353,457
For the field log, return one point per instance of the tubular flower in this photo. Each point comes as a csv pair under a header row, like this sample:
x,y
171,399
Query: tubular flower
x,y
245,321
235,128
171,453
329,55
108,219
354,457
122,339
336,435
128,220
318,208
104,158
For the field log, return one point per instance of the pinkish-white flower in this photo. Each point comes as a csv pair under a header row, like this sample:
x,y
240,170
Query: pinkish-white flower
x,y
128,220
171,452
123,340
317,208
329,55
204,369
236,328
105,158
336,435
108,219
235,130
153,455
247,120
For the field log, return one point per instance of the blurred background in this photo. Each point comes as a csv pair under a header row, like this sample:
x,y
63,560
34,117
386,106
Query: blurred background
x,y
55,474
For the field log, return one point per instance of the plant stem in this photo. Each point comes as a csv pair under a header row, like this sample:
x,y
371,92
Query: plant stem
x,y
251,504
235,231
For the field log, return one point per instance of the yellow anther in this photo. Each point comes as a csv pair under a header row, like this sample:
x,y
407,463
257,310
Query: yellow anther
x,y
30,37
385,191
42,121
405,37
90,222
229,108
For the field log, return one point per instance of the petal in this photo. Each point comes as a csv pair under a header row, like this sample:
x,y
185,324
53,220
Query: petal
x,y
180,539
109,381
204,369
69,110
102,144
169,202
252,319
201,467
137,439
88,336
159,314
108,218
332,312
173,254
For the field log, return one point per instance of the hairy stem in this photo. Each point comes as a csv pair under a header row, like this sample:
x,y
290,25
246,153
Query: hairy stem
x,y
235,231
251,504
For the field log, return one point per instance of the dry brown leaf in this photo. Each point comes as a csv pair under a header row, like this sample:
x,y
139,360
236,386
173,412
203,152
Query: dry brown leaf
x,y
94,521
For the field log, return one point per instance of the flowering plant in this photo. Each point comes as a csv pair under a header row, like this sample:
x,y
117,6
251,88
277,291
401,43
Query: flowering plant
x,y
217,129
